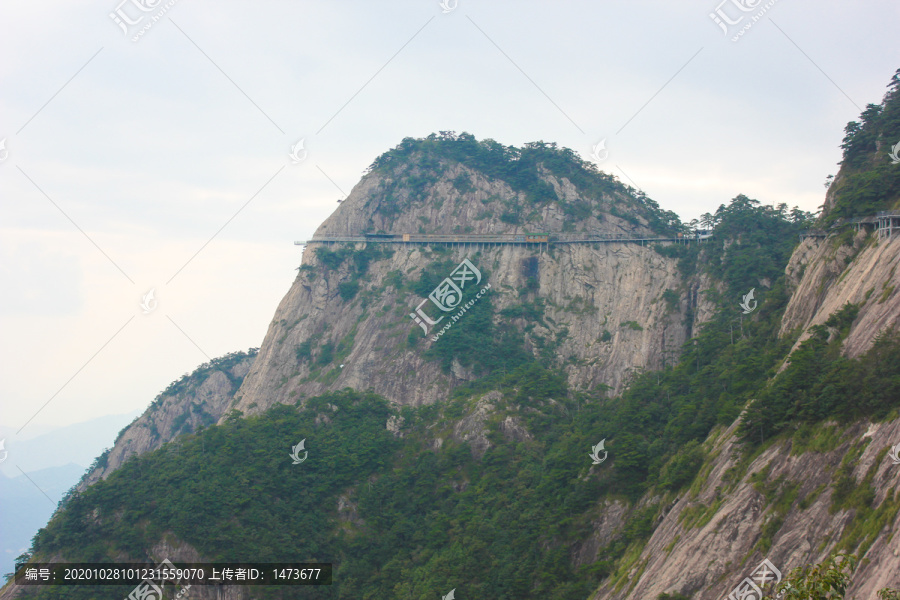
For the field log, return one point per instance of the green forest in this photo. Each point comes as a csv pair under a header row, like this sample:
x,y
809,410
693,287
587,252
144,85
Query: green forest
x,y
869,182
422,514
504,525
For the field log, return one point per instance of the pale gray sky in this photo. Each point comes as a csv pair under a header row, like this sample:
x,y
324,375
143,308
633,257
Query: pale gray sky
x,y
163,163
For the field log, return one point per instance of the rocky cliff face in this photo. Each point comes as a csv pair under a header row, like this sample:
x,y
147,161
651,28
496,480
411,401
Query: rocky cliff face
x,y
194,401
782,504
777,507
586,288
603,303
825,276
345,323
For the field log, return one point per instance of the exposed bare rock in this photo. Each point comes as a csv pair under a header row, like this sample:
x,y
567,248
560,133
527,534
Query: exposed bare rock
x,y
200,401
824,281
347,510
473,427
587,289
702,555
513,429
607,526
394,423
702,307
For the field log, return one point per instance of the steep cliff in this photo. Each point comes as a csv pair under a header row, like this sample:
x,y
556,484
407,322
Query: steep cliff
x,y
584,290
826,275
187,405
600,312
779,504
856,262
728,433
820,485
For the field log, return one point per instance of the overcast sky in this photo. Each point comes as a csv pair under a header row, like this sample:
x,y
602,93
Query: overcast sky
x,y
160,160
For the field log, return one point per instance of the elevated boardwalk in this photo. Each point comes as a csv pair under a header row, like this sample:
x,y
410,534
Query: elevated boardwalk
x,y
883,223
525,239
886,222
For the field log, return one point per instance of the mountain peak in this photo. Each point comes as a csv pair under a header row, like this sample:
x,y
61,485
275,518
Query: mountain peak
x,y
451,183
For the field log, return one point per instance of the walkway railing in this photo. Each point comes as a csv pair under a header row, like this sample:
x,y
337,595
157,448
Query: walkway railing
x,y
504,238
885,223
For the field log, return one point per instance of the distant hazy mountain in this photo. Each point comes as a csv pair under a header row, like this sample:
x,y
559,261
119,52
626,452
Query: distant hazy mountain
x,y
27,504
54,461
80,443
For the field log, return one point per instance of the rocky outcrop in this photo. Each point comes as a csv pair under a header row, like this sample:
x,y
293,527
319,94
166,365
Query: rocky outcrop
x,y
603,303
197,400
606,525
483,205
714,536
825,276
473,429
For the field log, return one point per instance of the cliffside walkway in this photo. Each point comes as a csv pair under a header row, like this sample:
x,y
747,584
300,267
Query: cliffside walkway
x,y
884,222
526,239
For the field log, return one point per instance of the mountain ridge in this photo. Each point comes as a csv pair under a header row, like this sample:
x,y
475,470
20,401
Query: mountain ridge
x,y
456,198
461,460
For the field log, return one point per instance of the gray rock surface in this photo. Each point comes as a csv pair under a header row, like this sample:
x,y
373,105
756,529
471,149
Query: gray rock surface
x,y
824,278
707,560
200,403
587,289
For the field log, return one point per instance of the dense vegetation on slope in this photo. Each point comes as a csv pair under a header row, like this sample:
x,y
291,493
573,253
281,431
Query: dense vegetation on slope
x,y
231,490
722,368
820,383
424,520
423,514
427,519
415,164
870,180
